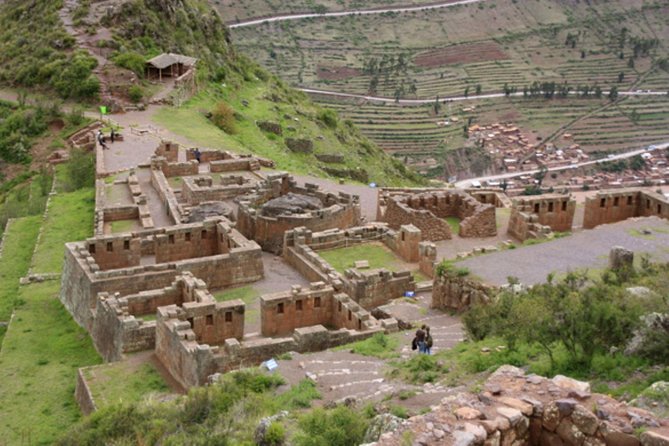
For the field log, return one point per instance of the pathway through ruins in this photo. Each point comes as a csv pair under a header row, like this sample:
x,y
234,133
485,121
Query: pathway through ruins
x,y
342,376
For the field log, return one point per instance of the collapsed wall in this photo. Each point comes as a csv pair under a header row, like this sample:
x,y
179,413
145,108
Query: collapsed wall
x,y
453,291
427,209
537,217
259,220
129,263
611,206
514,408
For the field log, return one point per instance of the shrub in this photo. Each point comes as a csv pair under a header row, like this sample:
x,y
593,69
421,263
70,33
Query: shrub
x,y
223,117
131,61
80,170
328,117
338,427
276,434
135,93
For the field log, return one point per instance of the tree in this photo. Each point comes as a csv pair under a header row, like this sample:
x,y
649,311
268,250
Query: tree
x,y
621,76
613,93
478,89
437,106
598,91
630,62
467,92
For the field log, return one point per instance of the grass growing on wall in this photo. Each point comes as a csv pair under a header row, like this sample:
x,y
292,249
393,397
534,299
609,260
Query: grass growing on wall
x,y
376,254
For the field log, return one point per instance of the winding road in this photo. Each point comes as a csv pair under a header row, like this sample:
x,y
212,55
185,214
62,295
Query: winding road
x,y
463,184
286,17
410,102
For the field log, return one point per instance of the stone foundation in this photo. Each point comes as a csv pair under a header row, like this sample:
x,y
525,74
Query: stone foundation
x,y
539,216
452,292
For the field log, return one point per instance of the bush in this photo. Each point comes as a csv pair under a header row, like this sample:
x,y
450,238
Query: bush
x,y
338,427
223,117
132,61
329,118
276,434
80,170
135,93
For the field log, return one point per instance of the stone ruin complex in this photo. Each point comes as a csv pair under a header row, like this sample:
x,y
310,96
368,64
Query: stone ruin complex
x,y
153,287
427,209
539,216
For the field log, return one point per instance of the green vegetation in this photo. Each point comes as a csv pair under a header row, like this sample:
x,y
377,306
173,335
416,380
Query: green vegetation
x,y
123,382
378,256
338,427
246,293
120,226
447,267
224,414
24,196
19,126
419,369
40,355
454,223
380,346
18,245
69,218
39,53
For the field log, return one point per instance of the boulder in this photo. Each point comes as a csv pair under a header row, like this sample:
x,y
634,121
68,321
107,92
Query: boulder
x,y
300,145
270,127
381,424
654,399
291,204
571,384
620,258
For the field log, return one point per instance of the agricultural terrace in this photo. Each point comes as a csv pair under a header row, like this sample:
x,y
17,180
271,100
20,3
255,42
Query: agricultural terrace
x,y
446,52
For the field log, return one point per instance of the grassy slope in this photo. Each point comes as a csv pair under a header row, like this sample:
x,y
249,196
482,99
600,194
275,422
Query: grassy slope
x,y
41,352
43,346
70,218
17,251
291,111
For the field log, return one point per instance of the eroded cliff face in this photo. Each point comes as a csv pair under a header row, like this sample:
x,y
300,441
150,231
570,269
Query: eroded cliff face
x,y
515,408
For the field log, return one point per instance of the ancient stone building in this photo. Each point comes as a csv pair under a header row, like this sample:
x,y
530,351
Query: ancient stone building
x,y
427,209
610,206
281,205
538,216
130,263
369,288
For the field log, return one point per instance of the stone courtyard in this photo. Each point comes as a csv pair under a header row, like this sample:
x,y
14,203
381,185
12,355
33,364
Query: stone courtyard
x,y
212,265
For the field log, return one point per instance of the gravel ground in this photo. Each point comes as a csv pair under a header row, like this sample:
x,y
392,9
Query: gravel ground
x,y
585,249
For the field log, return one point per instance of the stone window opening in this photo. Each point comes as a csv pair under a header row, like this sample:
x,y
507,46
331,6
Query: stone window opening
x,y
340,307
536,208
659,208
317,302
564,206
279,308
209,319
91,248
602,203
126,244
204,234
187,236
298,305
228,316
402,236
616,201
550,207
110,247
629,200
350,315
359,324
647,204
170,239
190,321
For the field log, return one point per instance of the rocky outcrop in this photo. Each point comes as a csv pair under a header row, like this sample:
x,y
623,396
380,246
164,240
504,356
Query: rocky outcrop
x,y
654,399
270,127
300,145
291,204
519,409
451,291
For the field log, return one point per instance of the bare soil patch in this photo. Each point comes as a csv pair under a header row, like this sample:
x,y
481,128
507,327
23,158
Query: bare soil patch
x,y
330,73
461,54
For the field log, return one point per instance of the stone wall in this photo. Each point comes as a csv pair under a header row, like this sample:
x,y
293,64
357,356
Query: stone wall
x,y
453,292
232,165
376,287
427,209
174,210
174,169
118,327
168,150
537,217
282,313
83,278
427,253
339,211
496,197
83,395
518,409
202,189
611,206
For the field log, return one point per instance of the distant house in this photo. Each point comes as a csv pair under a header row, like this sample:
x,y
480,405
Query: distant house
x,y
169,65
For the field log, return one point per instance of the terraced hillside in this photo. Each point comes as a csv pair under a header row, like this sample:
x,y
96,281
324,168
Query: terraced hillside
x,y
480,48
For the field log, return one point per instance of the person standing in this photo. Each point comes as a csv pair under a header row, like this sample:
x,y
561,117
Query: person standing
x,y
420,339
198,155
101,140
113,135
428,341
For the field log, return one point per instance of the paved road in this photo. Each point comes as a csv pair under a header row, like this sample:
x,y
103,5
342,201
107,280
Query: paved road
x,y
414,102
285,17
463,184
